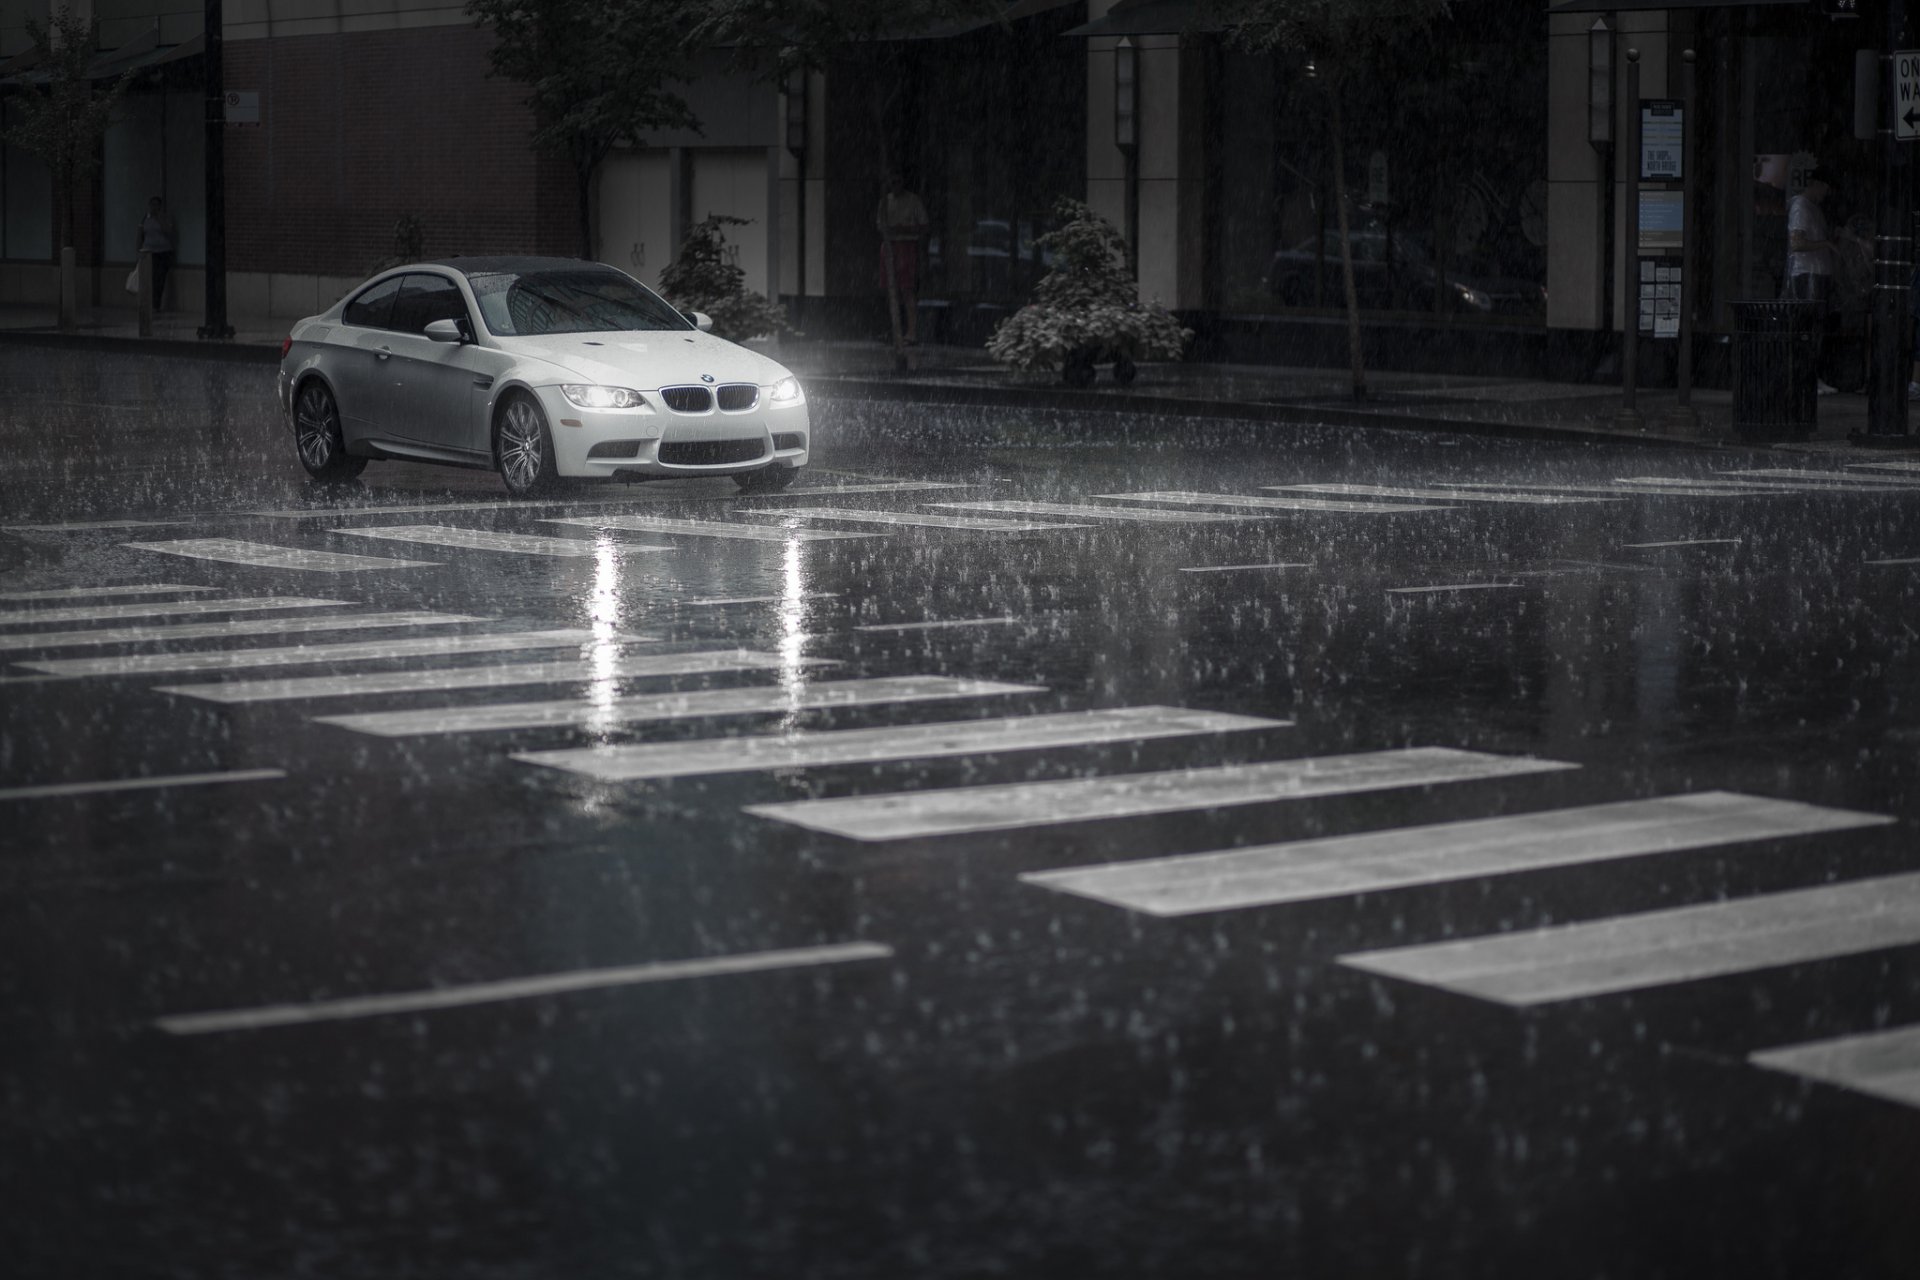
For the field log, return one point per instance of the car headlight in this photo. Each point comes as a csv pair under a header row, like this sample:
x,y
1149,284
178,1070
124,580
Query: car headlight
x,y
603,397
785,391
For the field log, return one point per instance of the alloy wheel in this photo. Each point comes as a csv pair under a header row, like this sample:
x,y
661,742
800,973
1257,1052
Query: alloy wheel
x,y
317,425
520,445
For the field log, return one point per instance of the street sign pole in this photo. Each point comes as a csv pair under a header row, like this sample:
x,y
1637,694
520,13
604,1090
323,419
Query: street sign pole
x,y
1683,418
1630,418
1892,350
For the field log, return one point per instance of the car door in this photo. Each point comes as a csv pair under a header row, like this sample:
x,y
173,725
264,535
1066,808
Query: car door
x,y
436,381
358,361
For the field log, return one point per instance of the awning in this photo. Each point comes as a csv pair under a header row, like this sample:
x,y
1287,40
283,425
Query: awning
x,y
144,50
1149,18
1635,6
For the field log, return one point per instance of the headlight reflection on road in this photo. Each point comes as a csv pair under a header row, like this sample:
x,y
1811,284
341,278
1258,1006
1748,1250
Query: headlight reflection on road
x,y
603,651
793,631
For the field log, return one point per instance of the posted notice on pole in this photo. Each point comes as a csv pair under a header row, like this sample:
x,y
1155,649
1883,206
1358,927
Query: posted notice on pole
x,y
1906,98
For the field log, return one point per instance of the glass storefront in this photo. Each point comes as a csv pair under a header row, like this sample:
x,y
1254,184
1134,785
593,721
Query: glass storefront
x,y
1444,159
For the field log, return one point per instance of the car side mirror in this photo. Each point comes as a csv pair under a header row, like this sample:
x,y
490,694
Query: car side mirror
x,y
445,331
701,321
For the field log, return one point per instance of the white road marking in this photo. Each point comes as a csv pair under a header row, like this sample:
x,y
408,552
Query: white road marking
x,y
906,815
671,706
1882,1064
265,556
719,600
1340,866
440,535
1268,504
88,593
1905,560
897,486
1763,485
57,789
1841,479
1885,466
940,625
1661,948
1674,489
1684,542
1238,568
210,630
108,612
571,671
903,742
1450,495
910,518
1148,515
308,654
707,528
78,526
551,984
1447,588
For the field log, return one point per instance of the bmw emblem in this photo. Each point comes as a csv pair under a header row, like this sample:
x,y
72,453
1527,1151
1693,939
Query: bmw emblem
x,y
706,377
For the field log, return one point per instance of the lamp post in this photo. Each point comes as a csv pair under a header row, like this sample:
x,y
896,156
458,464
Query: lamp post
x,y
1683,418
1600,137
797,145
216,325
1630,417
1126,136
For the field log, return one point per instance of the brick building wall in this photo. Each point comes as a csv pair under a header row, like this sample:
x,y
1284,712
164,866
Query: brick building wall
x,y
358,129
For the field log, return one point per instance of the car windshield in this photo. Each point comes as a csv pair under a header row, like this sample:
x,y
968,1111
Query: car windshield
x,y
530,303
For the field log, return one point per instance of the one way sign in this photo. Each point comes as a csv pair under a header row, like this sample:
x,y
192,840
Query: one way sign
x,y
1906,103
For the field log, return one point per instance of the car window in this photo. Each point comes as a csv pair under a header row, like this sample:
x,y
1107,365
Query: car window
x,y
525,304
426,299
372,308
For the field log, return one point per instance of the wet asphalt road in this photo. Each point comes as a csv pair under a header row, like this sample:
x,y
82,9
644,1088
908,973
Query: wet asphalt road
x,y
472,1009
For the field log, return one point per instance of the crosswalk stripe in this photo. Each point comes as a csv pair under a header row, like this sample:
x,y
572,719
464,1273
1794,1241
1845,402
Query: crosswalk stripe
x,y
58,789
440,535
80,526
1899,561
1675,489
313,654
1883,1064
904,742
1448,588
1841,478
1143,515
671,706
1895,465
109,612
1682,542
912,518
550,984
1660,948
940,624
88,593
708,528
963,810
1243,568
12,640
1267,504
266,556
1450,495
780,599
571,671
1376,861
1762,485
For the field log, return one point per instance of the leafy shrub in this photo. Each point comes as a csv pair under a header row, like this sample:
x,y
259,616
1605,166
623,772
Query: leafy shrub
x,y
1087,307
700,278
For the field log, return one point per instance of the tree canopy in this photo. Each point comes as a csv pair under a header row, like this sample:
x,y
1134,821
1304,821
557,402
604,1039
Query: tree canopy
x,y
62,125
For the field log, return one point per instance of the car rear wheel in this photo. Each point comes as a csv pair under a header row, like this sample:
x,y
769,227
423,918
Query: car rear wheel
x,y
523,447
766,479
316,435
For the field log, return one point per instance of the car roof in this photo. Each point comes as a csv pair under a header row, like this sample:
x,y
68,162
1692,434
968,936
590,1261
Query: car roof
x,y
514,263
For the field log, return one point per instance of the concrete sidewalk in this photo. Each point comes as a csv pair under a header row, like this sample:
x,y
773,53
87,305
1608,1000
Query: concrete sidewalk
x,y
1444,402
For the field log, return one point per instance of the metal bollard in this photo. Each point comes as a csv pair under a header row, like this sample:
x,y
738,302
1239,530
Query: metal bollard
x,y
146,293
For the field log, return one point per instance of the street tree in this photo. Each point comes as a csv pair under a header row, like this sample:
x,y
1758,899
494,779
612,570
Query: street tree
x,y
784,36
1340,44
62,122
597,73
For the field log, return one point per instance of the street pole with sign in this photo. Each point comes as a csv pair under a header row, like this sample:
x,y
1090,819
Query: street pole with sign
x,y
1683,419
1893,244
216,325
1630,417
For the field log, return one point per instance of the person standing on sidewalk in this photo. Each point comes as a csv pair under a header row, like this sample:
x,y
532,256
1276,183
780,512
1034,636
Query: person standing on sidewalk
x,y
1810,256
156,237
901,220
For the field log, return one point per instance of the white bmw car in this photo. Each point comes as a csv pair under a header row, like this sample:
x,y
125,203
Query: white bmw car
x,y
535,368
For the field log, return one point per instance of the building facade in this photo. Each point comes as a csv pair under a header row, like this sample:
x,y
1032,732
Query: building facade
x,y
1482,166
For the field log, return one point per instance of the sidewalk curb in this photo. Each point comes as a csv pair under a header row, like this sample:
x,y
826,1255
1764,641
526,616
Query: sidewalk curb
x,y
185,348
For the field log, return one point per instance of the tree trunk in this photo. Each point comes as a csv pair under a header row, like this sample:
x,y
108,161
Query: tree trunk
x,y
1346,246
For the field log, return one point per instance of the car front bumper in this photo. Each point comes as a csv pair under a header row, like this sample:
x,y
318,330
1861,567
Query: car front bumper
x,y
660,442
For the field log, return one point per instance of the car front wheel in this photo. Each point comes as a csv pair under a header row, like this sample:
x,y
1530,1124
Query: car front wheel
x,y
523,447
316,435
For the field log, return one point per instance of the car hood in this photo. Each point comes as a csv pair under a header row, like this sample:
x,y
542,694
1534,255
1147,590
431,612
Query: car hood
x,y
645,361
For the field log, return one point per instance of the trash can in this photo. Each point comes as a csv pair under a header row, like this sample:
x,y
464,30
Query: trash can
x,y
1776,351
